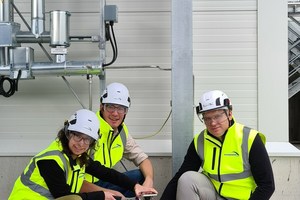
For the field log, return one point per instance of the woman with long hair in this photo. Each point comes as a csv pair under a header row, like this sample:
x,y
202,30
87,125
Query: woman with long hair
x,y
58,171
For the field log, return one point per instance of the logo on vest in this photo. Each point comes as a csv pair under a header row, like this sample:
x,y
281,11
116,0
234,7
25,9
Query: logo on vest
x,y
81,175
234,153
116,146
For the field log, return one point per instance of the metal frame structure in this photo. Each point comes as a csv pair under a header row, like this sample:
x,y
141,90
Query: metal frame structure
x,y
294,47
18,63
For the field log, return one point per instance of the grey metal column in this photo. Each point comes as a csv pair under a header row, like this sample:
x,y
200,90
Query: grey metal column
x,y
6,10
182,80
6,15
102,77
37,17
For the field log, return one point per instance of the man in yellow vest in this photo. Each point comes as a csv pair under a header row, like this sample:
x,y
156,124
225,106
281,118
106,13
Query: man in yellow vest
x,y
227,160
115,142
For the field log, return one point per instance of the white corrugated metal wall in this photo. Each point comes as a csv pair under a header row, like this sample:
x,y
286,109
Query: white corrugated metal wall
x,y
224,58
40,106
225,54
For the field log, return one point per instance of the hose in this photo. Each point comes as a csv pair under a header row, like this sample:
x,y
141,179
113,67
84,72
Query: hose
x,y
11,89
13,85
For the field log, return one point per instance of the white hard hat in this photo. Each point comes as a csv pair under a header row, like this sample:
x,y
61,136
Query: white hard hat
x,y
86,122
116,93
213,100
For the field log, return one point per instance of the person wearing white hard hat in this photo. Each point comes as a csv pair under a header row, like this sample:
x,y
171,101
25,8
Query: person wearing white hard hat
x,y
227,160
58,171
116,142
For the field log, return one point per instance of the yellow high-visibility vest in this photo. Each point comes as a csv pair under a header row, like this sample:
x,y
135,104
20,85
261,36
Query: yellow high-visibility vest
x,y
108,150
227,163
32,185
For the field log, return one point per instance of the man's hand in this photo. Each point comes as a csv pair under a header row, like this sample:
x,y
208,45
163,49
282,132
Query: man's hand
x,y
148,182
140,190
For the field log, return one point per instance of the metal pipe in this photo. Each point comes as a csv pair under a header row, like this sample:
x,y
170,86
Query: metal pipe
x,y
2,11
138,67
102,55
37,17
102,30
4,56
85,38
89,77
294,71
28,37
67,68
6,15
293,3
6,11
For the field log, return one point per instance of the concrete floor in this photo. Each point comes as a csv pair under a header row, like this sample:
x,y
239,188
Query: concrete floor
x,y
12,167
286,172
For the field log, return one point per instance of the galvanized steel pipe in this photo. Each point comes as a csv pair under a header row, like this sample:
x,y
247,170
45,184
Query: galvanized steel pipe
x,y
68,68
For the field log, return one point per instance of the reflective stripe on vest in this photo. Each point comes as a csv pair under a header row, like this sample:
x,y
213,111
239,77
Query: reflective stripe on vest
x,y
109,150
123,139
226,163
228,177
101,146
25,178
31,184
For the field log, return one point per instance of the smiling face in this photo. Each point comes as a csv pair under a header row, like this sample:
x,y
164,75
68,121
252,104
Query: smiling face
x,y
78,143
217,121
113,114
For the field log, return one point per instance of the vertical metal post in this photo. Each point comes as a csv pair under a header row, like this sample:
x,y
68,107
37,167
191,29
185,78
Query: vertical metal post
x,y
6,15
37,17
6,11
102,77
4,56
89,77
182,80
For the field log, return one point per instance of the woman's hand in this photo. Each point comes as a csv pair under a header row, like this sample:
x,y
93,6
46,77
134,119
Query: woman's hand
x,y
90,187
111,196
115,193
